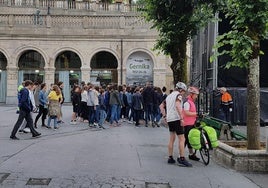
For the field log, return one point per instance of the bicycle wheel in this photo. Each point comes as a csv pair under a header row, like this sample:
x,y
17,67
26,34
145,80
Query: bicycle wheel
x,y
204,151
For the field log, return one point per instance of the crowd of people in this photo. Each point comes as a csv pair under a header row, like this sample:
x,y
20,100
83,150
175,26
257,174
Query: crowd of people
x,y
95,105
116,103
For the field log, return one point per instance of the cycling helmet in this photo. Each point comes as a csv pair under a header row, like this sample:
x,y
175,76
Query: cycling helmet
x,y
193,90
181,85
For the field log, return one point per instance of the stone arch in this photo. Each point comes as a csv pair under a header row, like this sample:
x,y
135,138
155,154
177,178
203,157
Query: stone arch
x,y
5,54
21,50
107,50
68,70
30,65
104,64
149,52
3,76
3,61
61,50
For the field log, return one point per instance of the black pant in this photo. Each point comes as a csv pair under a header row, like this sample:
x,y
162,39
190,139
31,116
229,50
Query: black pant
x,y
28,117
138,114
84,110
186,133
42,111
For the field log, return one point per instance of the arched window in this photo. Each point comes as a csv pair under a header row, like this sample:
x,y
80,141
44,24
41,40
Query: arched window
x,y
3,77
68,65
31,66
104,68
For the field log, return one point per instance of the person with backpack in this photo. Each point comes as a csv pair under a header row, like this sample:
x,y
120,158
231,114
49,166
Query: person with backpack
x,y
19,88
189,117
43,102
26,107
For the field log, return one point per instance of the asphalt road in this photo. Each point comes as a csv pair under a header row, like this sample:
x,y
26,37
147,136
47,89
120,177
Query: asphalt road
x,y
125,156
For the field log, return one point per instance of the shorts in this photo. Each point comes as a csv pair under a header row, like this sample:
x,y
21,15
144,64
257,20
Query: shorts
x,y
175,126
186,133
76,109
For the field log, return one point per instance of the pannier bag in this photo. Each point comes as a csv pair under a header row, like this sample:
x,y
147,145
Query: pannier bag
x,y
194,138
212,136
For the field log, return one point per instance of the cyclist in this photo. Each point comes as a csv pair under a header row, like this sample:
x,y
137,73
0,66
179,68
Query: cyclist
x,y
173,116
189,117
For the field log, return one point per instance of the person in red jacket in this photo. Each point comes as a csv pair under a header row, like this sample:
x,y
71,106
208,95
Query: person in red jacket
x,y
189,118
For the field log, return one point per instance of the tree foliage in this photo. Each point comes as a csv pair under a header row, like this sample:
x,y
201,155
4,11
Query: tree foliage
x,y
249,21
177,21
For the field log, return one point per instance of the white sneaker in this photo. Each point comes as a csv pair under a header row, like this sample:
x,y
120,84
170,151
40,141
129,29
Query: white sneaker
x,y
27,130
73,123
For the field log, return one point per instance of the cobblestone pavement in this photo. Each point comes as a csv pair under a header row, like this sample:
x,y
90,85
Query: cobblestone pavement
x,y
118,157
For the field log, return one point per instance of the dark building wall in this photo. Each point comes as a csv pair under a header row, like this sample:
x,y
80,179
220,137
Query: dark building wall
x,y
203,73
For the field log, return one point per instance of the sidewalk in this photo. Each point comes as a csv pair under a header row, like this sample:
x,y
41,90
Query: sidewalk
x,y
125,156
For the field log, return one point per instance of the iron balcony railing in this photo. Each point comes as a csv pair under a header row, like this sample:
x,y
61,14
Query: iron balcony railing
x,y
74,5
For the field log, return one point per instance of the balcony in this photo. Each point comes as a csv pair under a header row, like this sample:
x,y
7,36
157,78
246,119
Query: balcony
x,y
46,18
93,6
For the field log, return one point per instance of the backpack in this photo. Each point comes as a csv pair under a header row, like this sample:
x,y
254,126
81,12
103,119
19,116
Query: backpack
x,y
19,97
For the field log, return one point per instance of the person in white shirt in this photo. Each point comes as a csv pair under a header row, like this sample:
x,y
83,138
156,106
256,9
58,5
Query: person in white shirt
x,y
172,112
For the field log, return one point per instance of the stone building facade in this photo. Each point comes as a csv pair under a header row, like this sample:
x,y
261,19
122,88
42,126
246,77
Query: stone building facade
x,y
58,42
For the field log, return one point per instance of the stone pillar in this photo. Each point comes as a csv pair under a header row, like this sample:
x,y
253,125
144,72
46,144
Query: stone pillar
x,y
49,75
119,76
12,85
11,20
85,22
37,3
85,74
266,127
49,21
122,21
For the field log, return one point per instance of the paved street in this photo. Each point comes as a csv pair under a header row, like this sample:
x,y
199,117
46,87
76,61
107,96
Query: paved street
x,y
79,156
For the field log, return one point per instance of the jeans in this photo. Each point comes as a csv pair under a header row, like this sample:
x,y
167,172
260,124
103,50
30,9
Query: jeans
x,y
49,120
91,114
97,114
114,113
149,113
103,116
118,112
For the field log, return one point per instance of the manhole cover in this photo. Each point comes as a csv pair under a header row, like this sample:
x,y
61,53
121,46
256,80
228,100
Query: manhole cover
x,y
38,181
3,176
156,185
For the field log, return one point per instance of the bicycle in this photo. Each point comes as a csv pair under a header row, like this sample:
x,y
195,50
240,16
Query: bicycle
x,y
204,146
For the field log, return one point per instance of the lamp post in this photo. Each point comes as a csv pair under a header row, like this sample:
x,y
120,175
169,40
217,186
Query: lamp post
x,y
48,8
118,2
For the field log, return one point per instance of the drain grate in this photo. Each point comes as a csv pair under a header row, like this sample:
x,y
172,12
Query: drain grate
x,y
38,181
3,176
156,185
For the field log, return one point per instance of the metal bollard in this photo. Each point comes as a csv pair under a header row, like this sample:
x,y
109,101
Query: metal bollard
x,y
266,138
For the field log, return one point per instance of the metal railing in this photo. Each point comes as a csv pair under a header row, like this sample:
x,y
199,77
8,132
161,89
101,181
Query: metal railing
x,y
70,4
73,21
